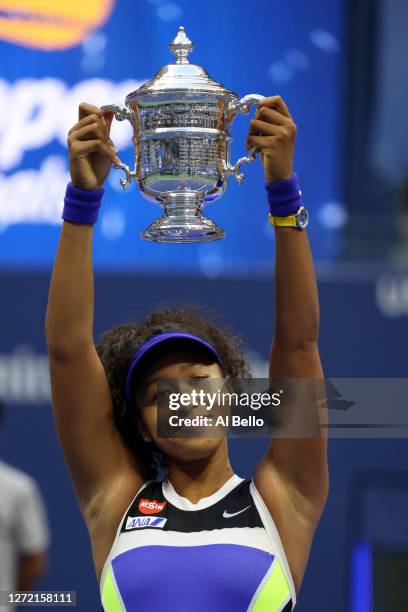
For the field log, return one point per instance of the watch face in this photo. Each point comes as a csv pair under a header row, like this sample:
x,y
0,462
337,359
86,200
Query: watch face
x,y
302,218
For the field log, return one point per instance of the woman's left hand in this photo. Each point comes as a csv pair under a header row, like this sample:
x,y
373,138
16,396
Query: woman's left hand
x,y
273,133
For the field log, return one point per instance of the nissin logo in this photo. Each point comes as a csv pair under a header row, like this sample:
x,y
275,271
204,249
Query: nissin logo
x,y
138,522
151,506
50,25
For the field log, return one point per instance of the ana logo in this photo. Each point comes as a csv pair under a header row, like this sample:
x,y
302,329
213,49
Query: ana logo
x,y
49,25
138,522
151,506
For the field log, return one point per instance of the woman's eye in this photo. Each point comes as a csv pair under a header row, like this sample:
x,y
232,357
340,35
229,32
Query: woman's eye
x,y
161,394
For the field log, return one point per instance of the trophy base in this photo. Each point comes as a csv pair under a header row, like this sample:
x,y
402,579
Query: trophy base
x,y
183,221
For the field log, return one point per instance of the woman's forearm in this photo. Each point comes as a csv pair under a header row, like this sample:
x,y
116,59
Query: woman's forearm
x,y
273,133
296,297
81,396
69,319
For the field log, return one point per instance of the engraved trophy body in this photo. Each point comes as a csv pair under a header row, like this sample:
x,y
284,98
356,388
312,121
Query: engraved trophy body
x,y
181,120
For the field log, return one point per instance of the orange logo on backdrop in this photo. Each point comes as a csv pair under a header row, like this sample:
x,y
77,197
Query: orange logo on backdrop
x,y
51,24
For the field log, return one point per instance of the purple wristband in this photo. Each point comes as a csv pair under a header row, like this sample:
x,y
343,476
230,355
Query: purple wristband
x,y
82,205
284,197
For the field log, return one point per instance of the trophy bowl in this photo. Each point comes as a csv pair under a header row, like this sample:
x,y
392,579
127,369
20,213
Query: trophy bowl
x,y
181,134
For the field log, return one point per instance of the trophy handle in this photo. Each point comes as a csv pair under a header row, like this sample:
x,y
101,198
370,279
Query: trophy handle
x,y
242,107
122,113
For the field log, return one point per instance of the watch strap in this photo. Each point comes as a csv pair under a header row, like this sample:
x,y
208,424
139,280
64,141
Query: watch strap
x,y
299,220
289,221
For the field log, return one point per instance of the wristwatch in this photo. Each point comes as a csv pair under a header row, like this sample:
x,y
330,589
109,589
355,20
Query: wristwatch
x,y
299,220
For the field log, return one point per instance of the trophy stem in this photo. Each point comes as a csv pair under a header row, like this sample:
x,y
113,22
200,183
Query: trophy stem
x,y
178,205
183,221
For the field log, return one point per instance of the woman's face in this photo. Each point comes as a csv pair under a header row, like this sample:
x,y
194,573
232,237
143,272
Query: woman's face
x,y
177,367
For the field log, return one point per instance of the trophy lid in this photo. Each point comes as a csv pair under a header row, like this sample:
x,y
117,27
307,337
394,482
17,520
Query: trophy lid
x,y
181,76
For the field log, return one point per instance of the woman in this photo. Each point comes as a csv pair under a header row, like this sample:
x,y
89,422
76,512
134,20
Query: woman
x,y
204,539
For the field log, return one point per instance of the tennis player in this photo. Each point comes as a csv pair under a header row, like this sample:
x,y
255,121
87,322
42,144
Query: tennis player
x,y
203,539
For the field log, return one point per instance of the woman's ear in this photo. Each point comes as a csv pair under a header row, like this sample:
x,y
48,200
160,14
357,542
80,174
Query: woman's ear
x,y
143,431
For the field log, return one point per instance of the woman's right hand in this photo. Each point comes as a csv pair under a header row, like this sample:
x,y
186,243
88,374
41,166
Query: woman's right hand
x,y
91,149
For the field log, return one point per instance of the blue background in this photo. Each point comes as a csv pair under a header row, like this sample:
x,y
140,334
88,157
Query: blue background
x,y
294,49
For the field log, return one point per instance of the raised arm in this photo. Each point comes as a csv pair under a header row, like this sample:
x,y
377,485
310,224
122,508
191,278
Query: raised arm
x,y
292,477
96,456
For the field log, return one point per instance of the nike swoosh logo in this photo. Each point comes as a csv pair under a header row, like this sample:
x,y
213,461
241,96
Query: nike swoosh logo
x,y
228,515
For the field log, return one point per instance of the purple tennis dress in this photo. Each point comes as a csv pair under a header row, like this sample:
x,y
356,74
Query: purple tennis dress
x,y
222,554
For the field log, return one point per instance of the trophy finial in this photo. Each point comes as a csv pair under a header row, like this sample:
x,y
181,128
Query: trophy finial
x,y
181,46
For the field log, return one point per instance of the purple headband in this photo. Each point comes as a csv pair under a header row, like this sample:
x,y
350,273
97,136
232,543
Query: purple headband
x,y
154,341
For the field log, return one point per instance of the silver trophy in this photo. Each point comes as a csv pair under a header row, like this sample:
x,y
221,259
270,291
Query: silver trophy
x,y
181,120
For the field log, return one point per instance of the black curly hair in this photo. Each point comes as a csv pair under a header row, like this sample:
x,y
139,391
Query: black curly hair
x,y
119,344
